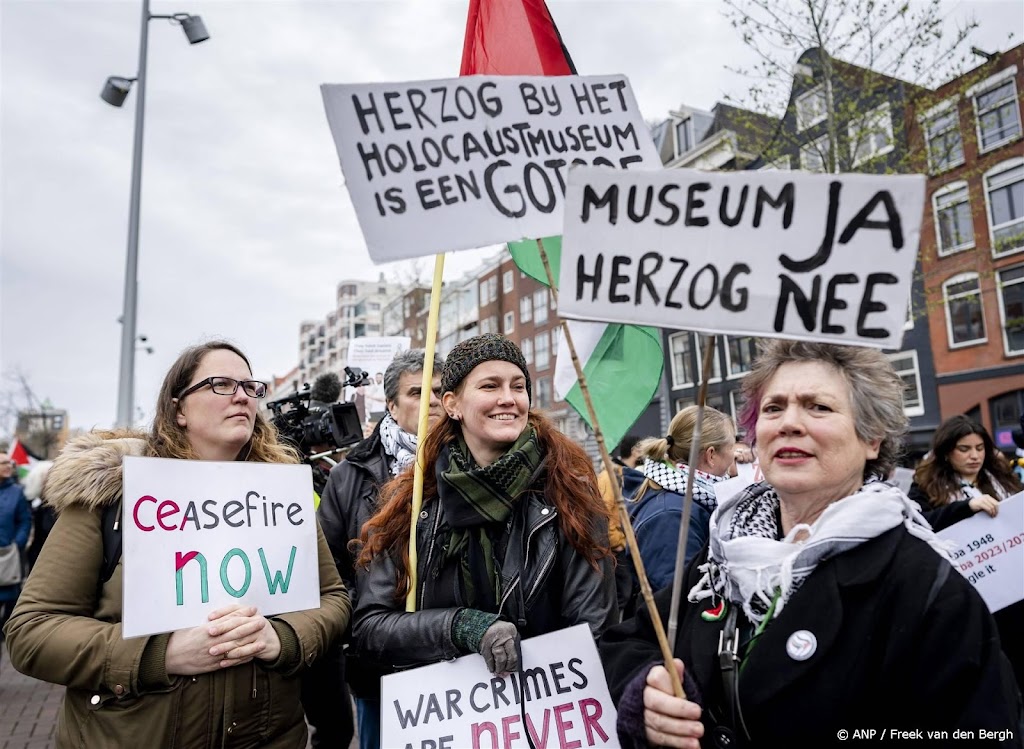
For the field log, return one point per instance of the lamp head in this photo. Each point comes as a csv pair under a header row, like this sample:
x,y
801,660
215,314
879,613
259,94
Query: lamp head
x,y
194,29
116,89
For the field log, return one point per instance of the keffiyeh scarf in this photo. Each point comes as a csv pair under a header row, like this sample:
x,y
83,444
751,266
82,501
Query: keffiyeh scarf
x,y
968,491
398,444
674,479
750,566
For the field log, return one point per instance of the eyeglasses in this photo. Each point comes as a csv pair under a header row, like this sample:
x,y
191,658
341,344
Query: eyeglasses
x,y
228,386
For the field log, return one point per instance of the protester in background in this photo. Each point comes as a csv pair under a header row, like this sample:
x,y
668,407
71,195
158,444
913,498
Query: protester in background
x,y
657,511
15,524
962,475
824,597
376,401
351,497
512,539
629,479
43,516
227,682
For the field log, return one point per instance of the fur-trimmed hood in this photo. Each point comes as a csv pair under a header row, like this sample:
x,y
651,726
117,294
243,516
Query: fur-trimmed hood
x,y
88,470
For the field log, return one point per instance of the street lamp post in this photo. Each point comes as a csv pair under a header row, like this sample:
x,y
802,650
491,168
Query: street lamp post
x,y
114,93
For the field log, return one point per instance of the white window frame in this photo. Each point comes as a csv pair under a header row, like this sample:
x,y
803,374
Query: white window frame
x,y
813,148
539,317
509,323
676,382
556,334
952,187
525,308
917,410
492,287
958,279
863,131
993,82
526,346
997,170
484,300
801,123
687,124
542,384
728,357
948,108
508,282
537,348
734,407
1000,285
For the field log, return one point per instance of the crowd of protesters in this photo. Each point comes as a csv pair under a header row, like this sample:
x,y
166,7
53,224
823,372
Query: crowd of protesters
x,y
518,537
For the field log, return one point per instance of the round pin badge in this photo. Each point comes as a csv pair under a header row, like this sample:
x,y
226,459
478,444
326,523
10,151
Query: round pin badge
x,y
801,645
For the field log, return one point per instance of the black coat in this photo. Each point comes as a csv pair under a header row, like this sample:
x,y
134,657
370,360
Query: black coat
x,y
885,658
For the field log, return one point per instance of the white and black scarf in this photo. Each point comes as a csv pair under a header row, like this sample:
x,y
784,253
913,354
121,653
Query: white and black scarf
x,y
674,479
968,491
750,566
398,443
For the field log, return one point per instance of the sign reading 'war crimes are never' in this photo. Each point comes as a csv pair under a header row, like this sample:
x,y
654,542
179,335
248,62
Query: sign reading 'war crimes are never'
x,y
456,164
774,254
203,534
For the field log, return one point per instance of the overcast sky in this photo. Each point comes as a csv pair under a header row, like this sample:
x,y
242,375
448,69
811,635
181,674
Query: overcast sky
x,y
246,227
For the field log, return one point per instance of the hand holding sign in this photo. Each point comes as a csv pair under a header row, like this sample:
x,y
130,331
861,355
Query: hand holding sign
x,y
243,634
669,720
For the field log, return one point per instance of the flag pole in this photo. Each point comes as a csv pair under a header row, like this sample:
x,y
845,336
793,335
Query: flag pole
x,y
627,526
421,432
684,526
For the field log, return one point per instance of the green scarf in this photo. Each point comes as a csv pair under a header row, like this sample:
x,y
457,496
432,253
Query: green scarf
x,y
477,504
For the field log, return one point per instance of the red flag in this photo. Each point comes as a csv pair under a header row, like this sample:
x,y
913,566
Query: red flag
x,y
513,37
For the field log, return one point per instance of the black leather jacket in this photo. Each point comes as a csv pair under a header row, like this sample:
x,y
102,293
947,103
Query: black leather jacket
x,y
350,499
546,586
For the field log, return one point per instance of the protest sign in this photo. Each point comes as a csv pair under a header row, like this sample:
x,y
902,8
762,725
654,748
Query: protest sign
x,y
372,355
199,535
990,552
772,254
562,700
456,164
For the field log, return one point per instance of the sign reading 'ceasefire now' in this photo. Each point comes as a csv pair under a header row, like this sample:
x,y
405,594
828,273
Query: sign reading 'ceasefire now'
x,y
774,254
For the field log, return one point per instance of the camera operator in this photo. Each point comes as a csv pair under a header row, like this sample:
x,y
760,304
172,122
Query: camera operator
x,y
350,498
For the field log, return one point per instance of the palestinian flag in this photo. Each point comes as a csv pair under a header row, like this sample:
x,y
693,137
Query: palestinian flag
x,y
23,458
622,363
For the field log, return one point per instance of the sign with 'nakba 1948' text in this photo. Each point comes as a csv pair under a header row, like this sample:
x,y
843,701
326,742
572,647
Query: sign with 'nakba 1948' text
x,y
559,700
455,164
199,535
773,254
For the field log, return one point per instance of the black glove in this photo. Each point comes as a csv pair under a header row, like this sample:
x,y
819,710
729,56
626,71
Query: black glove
x,y
498,647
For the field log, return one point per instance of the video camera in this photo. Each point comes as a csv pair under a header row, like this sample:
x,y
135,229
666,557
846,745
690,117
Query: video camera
x,y
313,422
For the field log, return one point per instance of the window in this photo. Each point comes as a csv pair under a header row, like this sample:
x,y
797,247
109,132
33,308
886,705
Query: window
x,y
680,347
540,306
1006,410
541,353
508,281
492,287
484,299
525,308
489,325
1011,309
954,229
556,334
965,316
1004,192
684,136
740,354
905,364
542,392
811,108
814,156
510,322
945,144
997,111
871,135
716,362
526,346
736,403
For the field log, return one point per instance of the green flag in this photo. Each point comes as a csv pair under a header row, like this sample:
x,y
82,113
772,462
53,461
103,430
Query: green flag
x,y
622,363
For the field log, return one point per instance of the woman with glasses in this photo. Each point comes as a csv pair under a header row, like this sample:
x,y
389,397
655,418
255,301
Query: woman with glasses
x,y
824,603
229,681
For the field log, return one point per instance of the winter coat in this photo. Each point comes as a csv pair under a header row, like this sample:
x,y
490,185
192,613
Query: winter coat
x,y
546,585
901,641
15,524
66,629
628,481
350,499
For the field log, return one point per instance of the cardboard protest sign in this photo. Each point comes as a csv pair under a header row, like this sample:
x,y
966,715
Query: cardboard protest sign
x,y
563,696
772,254
199,535
990,552
456,164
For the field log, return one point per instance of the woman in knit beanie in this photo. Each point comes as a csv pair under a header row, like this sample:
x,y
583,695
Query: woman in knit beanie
x,y
512,537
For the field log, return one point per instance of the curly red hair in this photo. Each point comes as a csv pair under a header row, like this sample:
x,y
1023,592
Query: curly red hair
x,y
570,484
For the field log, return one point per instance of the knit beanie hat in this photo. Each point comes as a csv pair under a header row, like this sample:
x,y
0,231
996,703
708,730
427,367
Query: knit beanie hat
x,y
473,351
